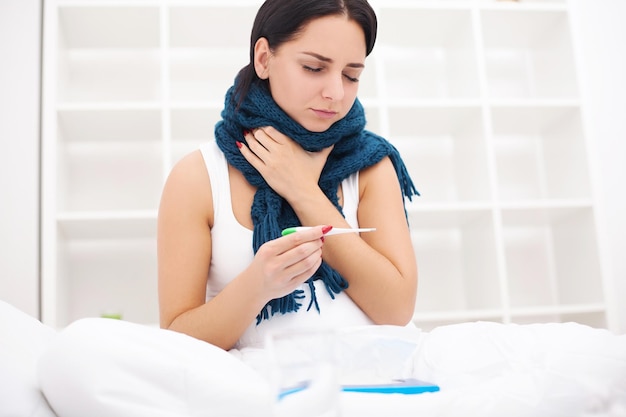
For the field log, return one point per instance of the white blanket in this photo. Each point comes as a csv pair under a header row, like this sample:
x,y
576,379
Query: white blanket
x,y
22,340
99,367
489,369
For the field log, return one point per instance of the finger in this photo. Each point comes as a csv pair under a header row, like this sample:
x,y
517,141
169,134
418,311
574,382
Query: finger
x,y
270,133
288,250
291,284
290,241
297,263
303,258
304,270
263,137
255,144
249,155
297,259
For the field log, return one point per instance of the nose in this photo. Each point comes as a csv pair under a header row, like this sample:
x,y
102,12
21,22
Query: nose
x,y
333,87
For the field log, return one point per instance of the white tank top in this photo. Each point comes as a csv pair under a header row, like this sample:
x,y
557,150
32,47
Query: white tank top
x,y
232,252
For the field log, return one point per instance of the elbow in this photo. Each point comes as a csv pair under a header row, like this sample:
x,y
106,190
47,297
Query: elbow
x,y
165,323
397,319
403,318
392,304
407,317
399,315
405,310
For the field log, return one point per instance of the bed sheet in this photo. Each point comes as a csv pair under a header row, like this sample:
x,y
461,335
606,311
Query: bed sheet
x,y
22,340
98,367
490,369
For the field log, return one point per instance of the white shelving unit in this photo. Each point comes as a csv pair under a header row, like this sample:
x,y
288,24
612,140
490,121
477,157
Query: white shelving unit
x,y
480,96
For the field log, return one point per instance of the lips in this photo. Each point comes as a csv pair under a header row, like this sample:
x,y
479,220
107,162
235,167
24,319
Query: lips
x,y
324,114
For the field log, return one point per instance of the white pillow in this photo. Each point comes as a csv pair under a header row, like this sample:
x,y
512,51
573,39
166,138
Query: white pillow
x,y
22,339
104,367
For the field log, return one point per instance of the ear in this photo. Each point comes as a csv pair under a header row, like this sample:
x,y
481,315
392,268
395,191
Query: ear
x,y
262,54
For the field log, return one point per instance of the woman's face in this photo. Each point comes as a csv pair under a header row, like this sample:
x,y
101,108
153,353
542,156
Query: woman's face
x,y
314,77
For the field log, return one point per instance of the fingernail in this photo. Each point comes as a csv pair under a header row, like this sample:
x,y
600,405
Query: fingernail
x,y
239,144
322,239
326,229
245,132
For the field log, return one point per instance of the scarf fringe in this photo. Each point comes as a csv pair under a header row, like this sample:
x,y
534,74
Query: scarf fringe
x,y
406,183
313,296
282,305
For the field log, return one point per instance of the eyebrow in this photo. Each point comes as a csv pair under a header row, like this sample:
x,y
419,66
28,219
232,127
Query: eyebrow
x,y
330,61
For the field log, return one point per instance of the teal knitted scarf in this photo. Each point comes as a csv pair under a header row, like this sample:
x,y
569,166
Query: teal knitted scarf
x,y
354,150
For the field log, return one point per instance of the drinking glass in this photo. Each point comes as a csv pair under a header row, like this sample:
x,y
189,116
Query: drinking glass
x,y
303,373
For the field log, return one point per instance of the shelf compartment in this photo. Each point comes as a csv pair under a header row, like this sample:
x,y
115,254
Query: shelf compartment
x,y
373,118
456,257
540,153
191,127
92,125
194,124
109,76
107,276
528,54
525,5
203,66
108,159
108,54
211,26
109,176
444,149
592,319
368,80
428,321
551,257
108,225
200,75
109,27
595,319
427,53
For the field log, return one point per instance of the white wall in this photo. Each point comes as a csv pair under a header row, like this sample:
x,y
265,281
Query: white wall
x,y
600,32
19,153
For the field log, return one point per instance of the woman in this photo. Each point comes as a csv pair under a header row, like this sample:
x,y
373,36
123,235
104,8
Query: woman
x,y
291,150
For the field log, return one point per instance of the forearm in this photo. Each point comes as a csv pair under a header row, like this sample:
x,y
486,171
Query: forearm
x,y
279,267
222,320
384,292
376,285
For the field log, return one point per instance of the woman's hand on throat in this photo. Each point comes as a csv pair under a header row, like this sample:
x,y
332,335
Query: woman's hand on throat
x,y
286,167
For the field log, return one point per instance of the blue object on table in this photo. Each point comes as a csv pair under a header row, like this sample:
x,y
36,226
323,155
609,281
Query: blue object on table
x,y
397,386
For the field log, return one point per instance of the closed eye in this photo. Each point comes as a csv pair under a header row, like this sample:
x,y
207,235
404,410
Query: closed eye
x,y
320,69
311,69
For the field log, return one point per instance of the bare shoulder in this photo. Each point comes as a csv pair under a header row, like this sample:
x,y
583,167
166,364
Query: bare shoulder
x,y
381,174
189,169
188,188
